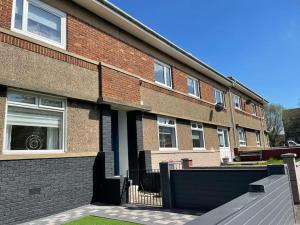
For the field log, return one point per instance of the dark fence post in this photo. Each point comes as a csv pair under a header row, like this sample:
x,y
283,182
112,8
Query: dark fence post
x,y
165,184
186,163
289,160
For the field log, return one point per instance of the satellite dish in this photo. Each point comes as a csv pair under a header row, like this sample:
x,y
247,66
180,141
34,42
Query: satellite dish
x,y
219,107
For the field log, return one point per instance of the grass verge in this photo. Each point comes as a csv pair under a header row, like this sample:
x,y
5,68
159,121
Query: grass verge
x,y
94,220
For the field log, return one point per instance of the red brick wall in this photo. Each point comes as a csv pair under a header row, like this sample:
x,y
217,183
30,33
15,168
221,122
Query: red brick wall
x,y
179,80
89,42
5,13
120,86
207,91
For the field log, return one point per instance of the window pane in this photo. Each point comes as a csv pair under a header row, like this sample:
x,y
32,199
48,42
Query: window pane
x,y
168,77
159,73
167,137
34,138
197,137
162,120
197,88
52,102
18,14
218,97
237,102
226,138
21,98
221,140
31,129
171,122
191,86
44,24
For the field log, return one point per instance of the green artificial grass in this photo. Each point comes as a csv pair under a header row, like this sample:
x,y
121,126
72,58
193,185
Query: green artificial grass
x,y
272,161
94,220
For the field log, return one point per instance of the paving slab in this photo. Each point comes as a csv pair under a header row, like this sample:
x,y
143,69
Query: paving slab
x,y
130,213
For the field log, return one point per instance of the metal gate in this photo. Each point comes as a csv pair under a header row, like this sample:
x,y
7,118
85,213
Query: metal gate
x,y
144,188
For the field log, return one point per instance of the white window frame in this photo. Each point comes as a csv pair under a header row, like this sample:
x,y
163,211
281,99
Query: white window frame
x,y
167,125
47,8
254,109
222,94
258,139
237,99
195,81
41,108
222,130
199,127
165,66
242,142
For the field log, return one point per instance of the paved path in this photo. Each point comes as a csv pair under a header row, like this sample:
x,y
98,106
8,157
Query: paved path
x,y
148,216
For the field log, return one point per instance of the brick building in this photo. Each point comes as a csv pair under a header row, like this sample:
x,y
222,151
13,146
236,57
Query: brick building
x,y
86,89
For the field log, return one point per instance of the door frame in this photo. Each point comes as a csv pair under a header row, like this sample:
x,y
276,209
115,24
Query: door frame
x,y
224,149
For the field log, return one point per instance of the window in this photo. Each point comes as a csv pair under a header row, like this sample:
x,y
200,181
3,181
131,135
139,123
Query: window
x,y
258,141
253,108
163,74
40,21
219,96
223,138
34,123
197,136
193,86
237,102
242,137
167,133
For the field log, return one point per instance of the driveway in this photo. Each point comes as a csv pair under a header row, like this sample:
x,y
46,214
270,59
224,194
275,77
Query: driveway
x,y
142,215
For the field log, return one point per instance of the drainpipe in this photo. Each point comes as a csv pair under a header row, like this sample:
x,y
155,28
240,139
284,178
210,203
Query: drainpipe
x,y
263,131
232,116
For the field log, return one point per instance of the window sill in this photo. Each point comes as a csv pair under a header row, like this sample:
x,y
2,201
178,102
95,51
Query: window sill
x,y
16,152
36,37
194,96
48,155
184,151
199,149
163,85
168,149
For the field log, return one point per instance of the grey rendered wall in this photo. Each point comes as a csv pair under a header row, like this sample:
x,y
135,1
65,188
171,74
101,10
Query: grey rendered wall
x,y
206,189
31,189
269,201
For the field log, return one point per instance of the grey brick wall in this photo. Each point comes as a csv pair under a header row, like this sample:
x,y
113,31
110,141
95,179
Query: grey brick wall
x,y
206,189
35,188
135,138
106,140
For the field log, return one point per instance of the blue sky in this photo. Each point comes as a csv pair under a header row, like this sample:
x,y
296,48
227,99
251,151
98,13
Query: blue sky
x,y
256,41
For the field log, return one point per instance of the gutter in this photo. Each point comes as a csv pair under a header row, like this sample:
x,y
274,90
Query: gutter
x,y
121,19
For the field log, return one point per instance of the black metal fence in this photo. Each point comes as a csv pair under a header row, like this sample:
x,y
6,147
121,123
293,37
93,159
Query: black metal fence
x,y
144,188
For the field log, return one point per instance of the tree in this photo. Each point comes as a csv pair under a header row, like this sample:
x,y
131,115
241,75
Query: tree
x,y
274,122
